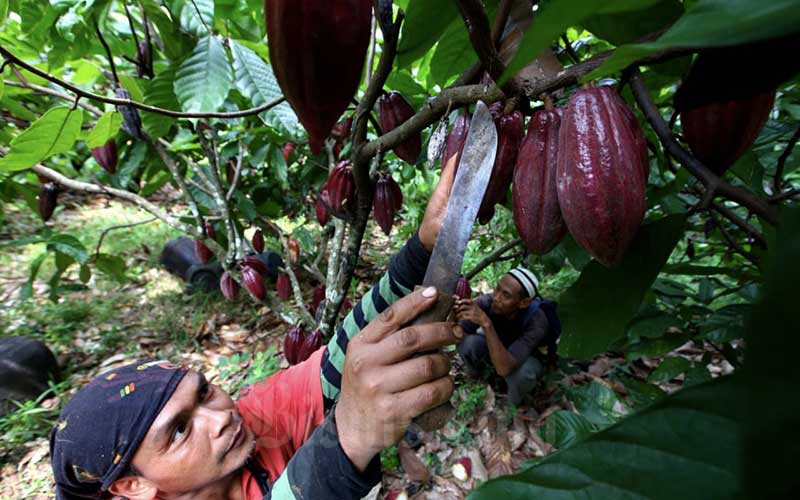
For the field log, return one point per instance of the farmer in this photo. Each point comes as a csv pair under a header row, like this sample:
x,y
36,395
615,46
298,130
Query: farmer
x,y
503,331
155,430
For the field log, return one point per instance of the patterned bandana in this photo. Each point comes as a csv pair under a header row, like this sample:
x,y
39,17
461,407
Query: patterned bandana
x,y
102,426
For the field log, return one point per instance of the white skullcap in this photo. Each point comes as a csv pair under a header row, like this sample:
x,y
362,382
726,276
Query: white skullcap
x,y
527,279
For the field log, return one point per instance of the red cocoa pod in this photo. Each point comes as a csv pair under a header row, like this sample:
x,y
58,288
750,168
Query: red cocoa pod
x,y
387,200
317,49
144,58
347,305
601,186
293,343
294,250
462,468
256,263
341,188
317,296
48,200
394,111
202,251
719,133
456,138
321,211
341,133
283,286
288,149
510,129
638,134
106,156
258,241
229,286
253,282
463,290
210,231
537,214
310,344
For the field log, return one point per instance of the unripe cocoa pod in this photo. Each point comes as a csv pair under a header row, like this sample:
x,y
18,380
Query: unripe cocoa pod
x,y
253,282
510,129
456,138
202,251
256,263
294,251
321,211
537,214
293,343
387,200
229,286
601,186
283,286
463,290
48,200
106,156
394,111
317,50
258,241
341,188
310,344
288,149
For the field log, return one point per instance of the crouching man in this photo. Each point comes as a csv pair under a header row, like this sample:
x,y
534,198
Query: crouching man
x,y
314,431
504,330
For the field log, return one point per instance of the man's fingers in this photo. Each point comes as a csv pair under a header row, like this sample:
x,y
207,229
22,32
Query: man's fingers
x,y
424,397
414,372
413,339
399,314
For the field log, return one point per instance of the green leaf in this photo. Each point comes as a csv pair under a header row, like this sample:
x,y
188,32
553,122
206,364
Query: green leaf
x,y
55,132
3,14
591,316
686,446
653,326
131,84
63,261
626,27
277,164
656,347
256,81
713,23
2,85
26,291
453,54
160,93
85,274
726,324
706,292
111,265
204,79
425,22
750,171
669,369
105,130
565,428
596,402
191,19
69,245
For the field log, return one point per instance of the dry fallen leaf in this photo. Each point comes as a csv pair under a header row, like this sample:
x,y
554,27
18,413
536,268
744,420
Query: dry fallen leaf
x,y
414,467
496,449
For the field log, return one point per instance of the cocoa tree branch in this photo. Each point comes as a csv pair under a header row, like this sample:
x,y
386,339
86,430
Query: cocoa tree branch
x,y
120,226
785,196
237,173
108,53
500,21
53,93
733,244
758,238
492,258
287,268
129,102
711,181
782,161
173,170
482,39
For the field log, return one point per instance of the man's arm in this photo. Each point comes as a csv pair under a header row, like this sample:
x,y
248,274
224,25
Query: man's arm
x,y
468,310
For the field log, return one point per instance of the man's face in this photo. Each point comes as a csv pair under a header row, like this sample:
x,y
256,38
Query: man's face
x,y
198,439
507,297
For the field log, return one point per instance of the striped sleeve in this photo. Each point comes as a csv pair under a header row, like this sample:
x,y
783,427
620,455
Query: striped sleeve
x,y
406,270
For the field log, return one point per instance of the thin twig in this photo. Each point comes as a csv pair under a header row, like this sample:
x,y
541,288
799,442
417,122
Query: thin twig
x,y
569,50
372,46
97,112
130,23
500,20
237,173
108,53
782,161
733,244
492,258
287,268
785,196
200,15
187,195
120,226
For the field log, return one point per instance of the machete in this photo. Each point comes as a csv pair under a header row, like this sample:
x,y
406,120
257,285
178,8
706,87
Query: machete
x,y
444,268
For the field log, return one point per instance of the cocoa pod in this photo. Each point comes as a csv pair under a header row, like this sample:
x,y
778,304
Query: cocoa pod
x,y
258,241
463,290
294,251
144,59
283,286
310,344
253,282
317,296
601,186
388,199
317,49
131,122
229,286
341,134
456,138
256,263
394,111
106,156
537,215
341,189
293,343
48,200
510,129
210,231
202,251
638,134
321,211
719,133
288,149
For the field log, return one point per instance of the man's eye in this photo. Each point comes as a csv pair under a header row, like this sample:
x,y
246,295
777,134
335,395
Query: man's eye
x,y
179,433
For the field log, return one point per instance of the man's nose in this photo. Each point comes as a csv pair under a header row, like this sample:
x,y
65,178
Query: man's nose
x,y
216,420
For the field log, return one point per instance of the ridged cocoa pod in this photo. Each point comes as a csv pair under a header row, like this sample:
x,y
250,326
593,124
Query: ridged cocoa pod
x,y
341,133
258,241
387,201
294,250
288,149
202,251
317,50
537,214
456,138
321,211
510,129
283,287
601,186
720,133
638,134
144,58
463,290
293,343
394,111
255,263
310,344
341,188
229,286
48,200
253,282
106,156
131,121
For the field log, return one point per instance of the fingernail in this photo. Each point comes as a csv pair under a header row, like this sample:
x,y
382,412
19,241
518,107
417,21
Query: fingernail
x,y
457,332
429,292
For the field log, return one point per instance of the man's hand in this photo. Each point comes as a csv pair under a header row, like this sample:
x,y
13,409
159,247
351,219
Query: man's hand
x,y
468,310
437,205
383,386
